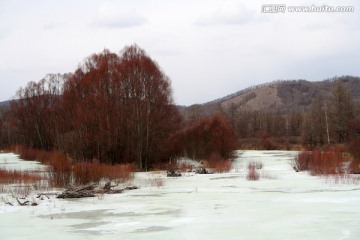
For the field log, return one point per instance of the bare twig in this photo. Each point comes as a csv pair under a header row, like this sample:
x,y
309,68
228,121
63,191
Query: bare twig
x,y
6,201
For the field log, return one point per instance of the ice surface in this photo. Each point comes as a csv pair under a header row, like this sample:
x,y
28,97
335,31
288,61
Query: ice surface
x,y
281,205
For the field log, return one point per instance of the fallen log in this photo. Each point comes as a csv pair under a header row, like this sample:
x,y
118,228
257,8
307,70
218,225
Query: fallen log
x,y
40,196
90,191
73,194
6,201
22,204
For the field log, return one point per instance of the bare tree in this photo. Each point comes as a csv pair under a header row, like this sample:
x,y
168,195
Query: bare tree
x,y
342,112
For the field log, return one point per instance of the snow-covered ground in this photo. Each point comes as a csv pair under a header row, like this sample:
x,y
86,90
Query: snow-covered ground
x,y
10,161
283,204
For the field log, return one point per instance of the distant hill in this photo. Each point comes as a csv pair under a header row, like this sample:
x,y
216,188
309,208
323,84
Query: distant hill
x,y
283,96
5,104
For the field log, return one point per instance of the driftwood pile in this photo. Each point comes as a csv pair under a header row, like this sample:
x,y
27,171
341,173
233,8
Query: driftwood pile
x,y
91,190
173,173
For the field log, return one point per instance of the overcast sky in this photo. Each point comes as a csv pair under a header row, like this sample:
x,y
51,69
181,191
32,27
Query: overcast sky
x,y
209,49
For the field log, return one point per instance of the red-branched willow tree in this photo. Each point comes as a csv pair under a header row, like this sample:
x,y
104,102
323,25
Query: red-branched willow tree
x,y
115,108
210,138
119,108
36,115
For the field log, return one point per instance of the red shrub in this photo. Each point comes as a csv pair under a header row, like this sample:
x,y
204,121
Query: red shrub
x,y
267,144
252,175
301,162
30,154
9,177
93,172
329,161
221,166
354,148
207,136
62,173
354,167
218,163
59,169
25,153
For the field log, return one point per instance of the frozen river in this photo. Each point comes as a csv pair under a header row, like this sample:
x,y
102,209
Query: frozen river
x,y
283,204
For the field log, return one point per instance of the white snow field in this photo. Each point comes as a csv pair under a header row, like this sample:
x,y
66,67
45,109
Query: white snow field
x,y
282,204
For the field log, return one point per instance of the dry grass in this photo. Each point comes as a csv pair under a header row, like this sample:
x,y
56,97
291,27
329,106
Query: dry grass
x,y
252,175
342,179
157,181
268,175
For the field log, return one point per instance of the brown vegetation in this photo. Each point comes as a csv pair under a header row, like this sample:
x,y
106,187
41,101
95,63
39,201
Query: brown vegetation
x,y
18,177
113,108
309,113
327,162
209,138
62,172
354,150
252,174
85,173
220,166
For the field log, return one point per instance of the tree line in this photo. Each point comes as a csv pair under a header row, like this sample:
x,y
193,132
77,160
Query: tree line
x,y
118,108
333,118
114,108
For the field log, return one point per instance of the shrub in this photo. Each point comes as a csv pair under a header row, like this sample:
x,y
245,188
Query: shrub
x,y
329,161
18,177
252,175
354,167
156,181
266,144
206,136
25,153
84,173
62,173
354,150
218,164
30,154
59,169
221,166
301,162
